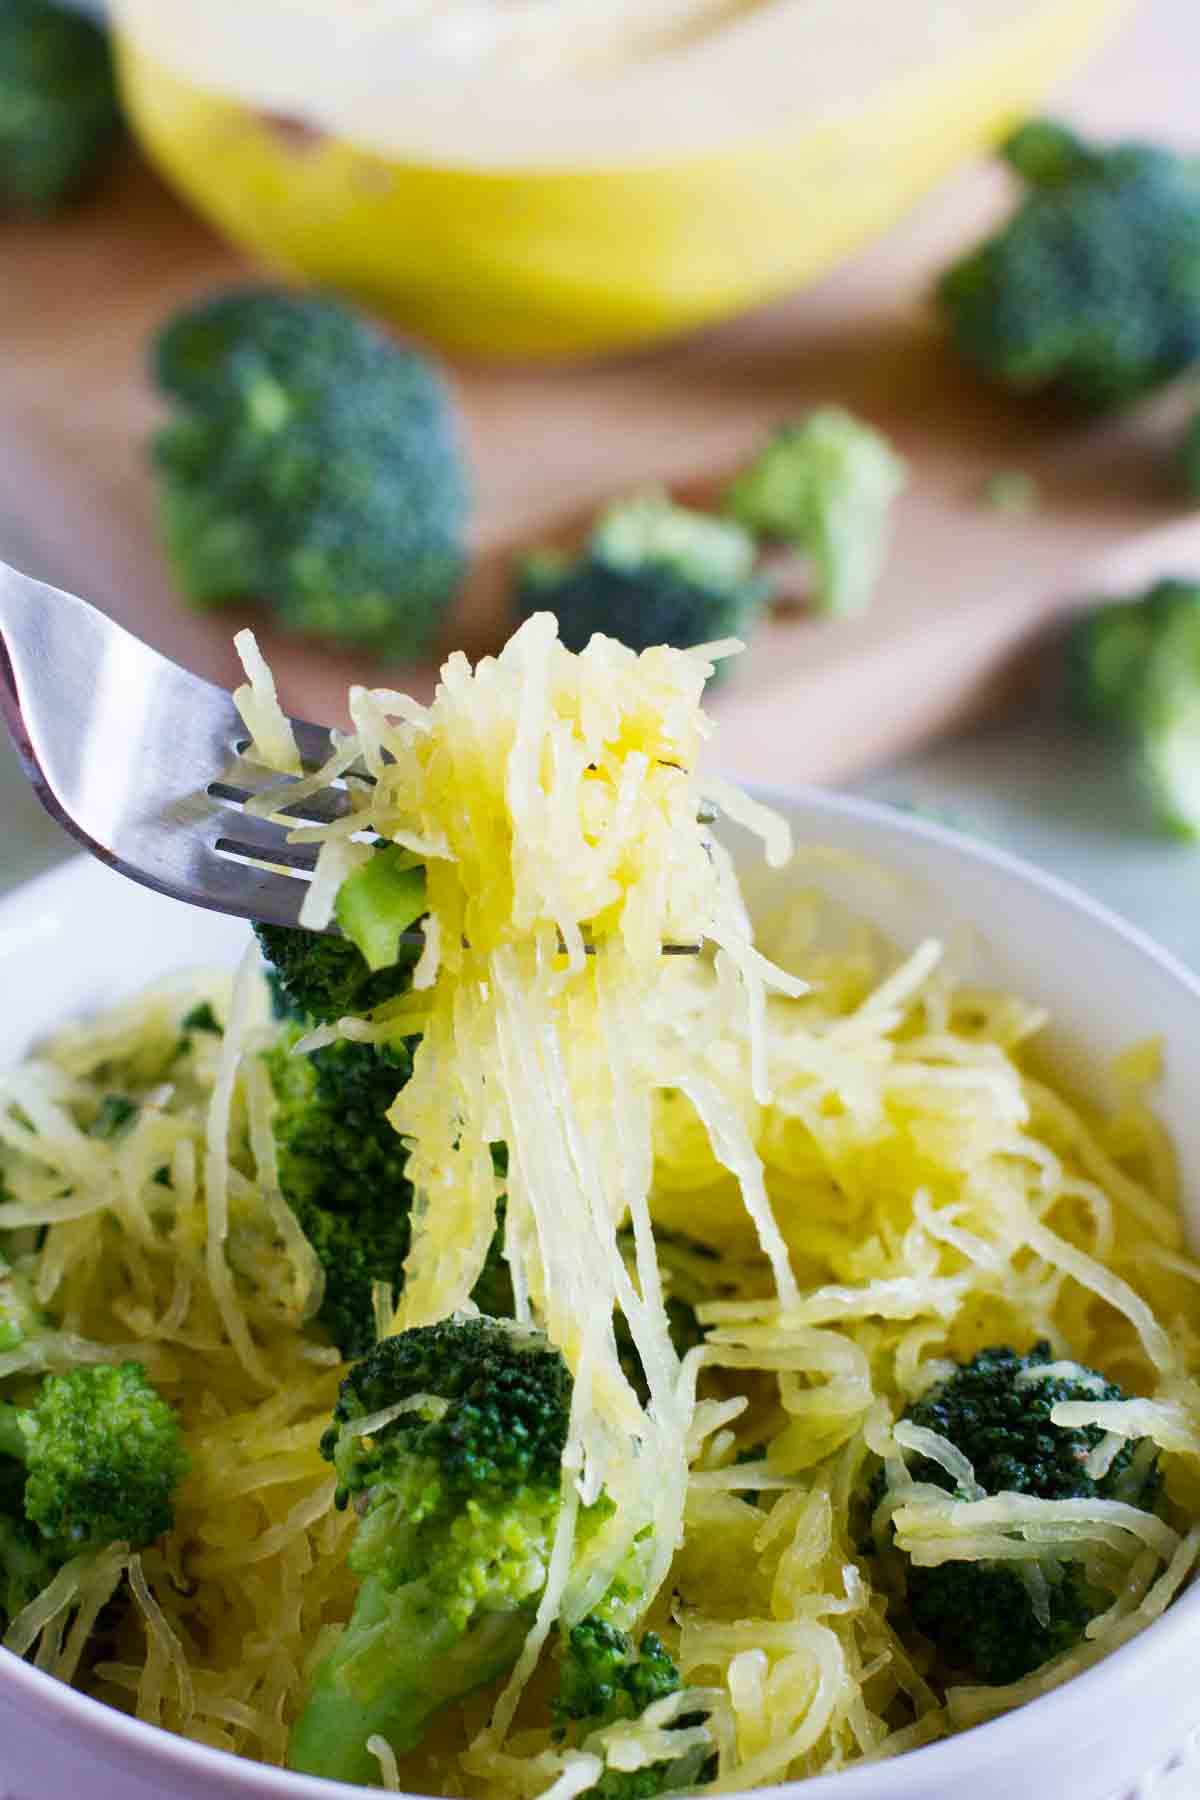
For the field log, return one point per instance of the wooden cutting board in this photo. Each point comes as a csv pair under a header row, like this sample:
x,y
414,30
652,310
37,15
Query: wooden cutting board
x,y
967,590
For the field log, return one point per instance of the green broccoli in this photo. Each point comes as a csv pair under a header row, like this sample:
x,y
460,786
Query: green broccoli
x,y
605,1676
59,114
341,1163
1133,667
650,573
602,1678
379,902
1091,291
341,1170
20,1314
825,485
310,463
979,1615
202,1018
327,978
94,1460
458,1499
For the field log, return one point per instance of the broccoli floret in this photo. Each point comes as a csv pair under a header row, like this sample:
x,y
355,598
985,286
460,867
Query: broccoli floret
x,y
650,573
341,1170
327,978
59,113
825,486
117,1111
203,1018
1133,667
1091,291
95,1460
458,1499
604,1677
311,463
979,1615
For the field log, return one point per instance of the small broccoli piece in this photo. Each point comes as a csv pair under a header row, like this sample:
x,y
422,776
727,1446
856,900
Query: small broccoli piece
x,y
605,1677
102,1457
1091,291
327,978
979,1615
203,1018
20,1314
379,901
59,114
1133,667
650,573
94,1460
116,1112
311,463
458,1500
825,485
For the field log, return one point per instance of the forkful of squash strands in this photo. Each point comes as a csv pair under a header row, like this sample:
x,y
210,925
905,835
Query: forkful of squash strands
x,y
144,763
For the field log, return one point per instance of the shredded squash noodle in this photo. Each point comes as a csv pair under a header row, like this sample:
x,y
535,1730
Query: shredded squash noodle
x,y
867,1159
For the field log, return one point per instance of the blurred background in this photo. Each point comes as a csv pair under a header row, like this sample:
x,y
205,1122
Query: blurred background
x,y
672,351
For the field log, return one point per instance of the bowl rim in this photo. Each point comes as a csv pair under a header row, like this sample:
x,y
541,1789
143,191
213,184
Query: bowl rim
x,y
1075,1706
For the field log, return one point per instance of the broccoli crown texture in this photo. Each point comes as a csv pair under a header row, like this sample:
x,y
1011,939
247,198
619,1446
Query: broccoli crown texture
x,y
603,1678
59,114
103,1457
825,484
463,1490
1134,667
1092,288
650,573
457,1480
327,978
310,463
341,1170
996,1410
94,1460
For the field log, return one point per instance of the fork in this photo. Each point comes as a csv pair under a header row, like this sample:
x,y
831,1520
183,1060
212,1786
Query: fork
x,y
149,766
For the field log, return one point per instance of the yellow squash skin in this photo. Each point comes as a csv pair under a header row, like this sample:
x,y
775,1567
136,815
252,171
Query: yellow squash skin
x,y
523,262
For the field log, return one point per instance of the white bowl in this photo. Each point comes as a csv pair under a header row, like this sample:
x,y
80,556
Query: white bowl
x,y
82,936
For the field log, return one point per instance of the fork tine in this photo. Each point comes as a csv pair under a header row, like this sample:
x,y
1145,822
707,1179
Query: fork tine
x,y
263,842
318,809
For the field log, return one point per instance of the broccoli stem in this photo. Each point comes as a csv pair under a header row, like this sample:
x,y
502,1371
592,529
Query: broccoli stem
x,y
398,1662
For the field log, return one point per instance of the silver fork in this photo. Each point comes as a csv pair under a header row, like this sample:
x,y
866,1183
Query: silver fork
x,y
145,764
